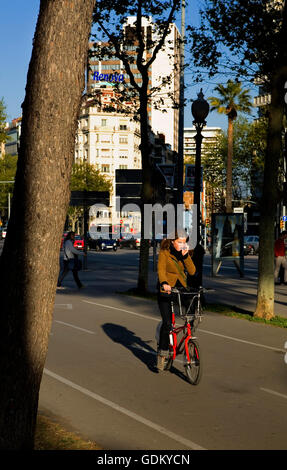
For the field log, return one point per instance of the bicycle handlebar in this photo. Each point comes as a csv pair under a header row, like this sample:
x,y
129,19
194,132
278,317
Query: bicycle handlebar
x,y
200,290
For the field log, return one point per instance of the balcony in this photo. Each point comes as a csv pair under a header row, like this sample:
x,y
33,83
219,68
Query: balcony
x,y
262,100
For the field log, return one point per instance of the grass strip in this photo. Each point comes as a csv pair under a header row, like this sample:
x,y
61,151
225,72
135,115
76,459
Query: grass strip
x,y
52,436
227,310
235,312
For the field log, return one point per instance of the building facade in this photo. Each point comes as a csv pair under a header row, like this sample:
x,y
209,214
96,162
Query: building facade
x,y
13,131
209,198
210,135
163,73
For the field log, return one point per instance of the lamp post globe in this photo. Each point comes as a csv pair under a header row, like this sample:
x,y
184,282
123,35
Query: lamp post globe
x,y
200,109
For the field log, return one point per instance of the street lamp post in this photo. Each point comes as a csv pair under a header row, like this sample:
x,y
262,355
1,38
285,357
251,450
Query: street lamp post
x,y
200,110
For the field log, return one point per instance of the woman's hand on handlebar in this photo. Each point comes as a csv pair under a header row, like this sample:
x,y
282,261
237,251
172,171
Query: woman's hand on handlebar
x,y
167,288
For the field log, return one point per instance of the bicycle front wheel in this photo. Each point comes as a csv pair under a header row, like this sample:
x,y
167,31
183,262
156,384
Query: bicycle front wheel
x,y
193,368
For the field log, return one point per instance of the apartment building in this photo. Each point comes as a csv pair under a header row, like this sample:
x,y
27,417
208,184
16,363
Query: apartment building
x,y
163,73
110,141
13,131
208,198
209,138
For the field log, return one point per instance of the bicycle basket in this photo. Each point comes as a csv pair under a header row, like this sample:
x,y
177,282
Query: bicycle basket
x,y
188,304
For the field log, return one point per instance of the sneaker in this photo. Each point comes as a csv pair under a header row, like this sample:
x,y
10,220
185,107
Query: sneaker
x,y
160,362
61,287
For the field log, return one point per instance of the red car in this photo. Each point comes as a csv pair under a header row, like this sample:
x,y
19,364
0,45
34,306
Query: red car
x,y
78,243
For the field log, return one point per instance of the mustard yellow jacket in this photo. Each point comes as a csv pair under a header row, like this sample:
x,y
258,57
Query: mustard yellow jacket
x,y
171,270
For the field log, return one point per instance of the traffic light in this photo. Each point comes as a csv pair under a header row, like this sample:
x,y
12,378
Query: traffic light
x,y
281,224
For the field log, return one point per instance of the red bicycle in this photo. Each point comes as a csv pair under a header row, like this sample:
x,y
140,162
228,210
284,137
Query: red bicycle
x,y
190,310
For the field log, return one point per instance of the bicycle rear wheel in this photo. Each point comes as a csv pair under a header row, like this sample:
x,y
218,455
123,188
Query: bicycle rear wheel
x,y
193,369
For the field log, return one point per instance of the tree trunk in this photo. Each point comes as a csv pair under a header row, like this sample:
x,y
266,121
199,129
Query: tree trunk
x,y
229,166
147,192
30,261
265,294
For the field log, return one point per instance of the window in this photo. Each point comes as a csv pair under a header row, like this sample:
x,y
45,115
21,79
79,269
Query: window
x,y
105,138
105,153
111,67
123,139
123,127
105,168
103,122
123,167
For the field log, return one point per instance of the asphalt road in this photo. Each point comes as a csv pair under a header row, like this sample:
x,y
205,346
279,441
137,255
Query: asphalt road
x,y
100,378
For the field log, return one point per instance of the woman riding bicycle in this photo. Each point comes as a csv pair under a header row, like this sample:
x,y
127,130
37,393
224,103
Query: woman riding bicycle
x,y
173,261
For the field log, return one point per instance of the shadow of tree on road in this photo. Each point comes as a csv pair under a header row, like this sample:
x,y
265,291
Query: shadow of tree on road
x,y
141,349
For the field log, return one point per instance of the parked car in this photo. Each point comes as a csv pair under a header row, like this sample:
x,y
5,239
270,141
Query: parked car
x,y
102,244
3,232
246,249
226,250
252,244
79,242
63,238
133,242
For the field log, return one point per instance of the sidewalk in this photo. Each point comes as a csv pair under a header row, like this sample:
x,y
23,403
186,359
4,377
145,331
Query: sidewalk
x,y
236,291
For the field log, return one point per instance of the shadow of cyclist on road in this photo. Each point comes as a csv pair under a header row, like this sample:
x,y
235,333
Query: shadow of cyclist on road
x,y
141,349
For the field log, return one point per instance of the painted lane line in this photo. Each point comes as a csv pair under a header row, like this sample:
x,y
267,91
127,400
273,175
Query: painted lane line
x,y
122,310
273,392
68,306
130,414
242,341
74,326
199,329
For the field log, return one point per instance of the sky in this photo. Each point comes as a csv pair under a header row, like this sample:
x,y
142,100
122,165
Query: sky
x,y
16,36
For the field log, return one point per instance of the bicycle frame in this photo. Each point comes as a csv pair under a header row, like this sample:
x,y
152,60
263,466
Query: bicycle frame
x,y
186,337
186,328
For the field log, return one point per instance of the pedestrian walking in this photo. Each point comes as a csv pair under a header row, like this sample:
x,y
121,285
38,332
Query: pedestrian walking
x,y
173,262
71,260
280,258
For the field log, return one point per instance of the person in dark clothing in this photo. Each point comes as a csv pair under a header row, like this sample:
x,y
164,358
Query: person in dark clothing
x,y
70,260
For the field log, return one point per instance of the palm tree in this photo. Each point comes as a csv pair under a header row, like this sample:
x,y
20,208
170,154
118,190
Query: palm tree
x,y
232,99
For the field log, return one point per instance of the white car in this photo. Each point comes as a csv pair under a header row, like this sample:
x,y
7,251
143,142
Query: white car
x,y
4,231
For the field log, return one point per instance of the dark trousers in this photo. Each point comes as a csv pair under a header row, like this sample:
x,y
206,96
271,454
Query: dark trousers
x,y
65,271
164,303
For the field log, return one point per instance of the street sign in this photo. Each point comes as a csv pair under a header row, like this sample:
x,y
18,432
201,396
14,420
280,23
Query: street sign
x,y
89,198
189,182
284,218
129,187
238,210
168,171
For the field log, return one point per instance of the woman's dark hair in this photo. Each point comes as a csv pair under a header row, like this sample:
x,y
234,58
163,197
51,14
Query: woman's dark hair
x,y
68,237
166,242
